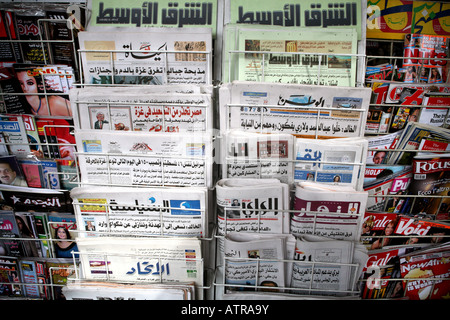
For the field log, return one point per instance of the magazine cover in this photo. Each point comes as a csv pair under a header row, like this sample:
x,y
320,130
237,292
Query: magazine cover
x,y
44,94
9,230
422,271
62,227
11,172
431,179
34,199
10,277
427,54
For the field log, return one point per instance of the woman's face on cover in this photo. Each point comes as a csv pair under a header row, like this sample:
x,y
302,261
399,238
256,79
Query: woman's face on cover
x,y
27,82
61,233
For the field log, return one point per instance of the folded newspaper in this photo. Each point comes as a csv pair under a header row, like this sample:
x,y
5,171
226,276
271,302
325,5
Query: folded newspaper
x,y
337,161
252,205
98,290
142,260
327,267
256,261
150,56
258,155
173,108
141,211
334,212
138,158
316,56
303,110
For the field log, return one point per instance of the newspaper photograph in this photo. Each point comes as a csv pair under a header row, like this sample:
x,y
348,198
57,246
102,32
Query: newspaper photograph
x,y
302,110
133,260
252,205
138,158
335,212
138,109
286,55
241,250
124,211
150,56
258,155
335,161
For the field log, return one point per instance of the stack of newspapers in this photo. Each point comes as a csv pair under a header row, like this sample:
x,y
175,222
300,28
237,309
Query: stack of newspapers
x,y
291,202
142,206
264,244
144,136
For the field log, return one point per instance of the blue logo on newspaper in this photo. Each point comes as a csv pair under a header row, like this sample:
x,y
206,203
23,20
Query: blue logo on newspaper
x,y
187,207
92,146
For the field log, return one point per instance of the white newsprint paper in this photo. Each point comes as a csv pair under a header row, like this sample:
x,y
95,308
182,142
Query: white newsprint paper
x,y
150,56
252,205
140,211
142,158
323,267
289,55
141,259
302,110
331,211
142,108
100,290
258,155
258,260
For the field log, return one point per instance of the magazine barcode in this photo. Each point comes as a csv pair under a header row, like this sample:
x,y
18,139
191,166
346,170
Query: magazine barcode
x,y
419,176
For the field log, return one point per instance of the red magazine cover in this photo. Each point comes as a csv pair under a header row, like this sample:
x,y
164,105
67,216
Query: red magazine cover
x,y
423,272
426,58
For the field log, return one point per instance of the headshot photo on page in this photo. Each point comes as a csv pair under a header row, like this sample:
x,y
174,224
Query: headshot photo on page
x,y
11,173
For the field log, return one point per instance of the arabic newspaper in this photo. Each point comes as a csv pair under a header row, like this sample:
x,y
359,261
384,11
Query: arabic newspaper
x,y
326,267
257,155
338,161
142,158
138,260
335,212
139,109
151,56
97,290
143,211
252,205
256,261
270,54
303,110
